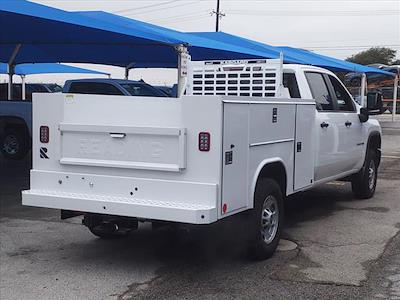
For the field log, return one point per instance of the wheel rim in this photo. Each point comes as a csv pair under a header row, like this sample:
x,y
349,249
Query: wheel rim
x,y
11,145
269,219
371,174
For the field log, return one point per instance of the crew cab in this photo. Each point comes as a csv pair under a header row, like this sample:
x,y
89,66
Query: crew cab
x,y
246,135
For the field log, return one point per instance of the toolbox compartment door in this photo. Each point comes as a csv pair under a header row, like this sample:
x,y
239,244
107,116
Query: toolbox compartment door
x,y
148,148
235,157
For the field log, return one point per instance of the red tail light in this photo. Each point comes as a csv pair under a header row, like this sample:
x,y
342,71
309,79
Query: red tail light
x,y
204,141
44,134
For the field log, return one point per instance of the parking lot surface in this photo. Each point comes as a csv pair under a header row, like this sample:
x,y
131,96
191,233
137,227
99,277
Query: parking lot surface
x,y
346,249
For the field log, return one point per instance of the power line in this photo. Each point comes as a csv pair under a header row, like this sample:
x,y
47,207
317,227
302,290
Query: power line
x,y
163,8
357,46
314,12
191,19
146,6
178,16
346,48
243,1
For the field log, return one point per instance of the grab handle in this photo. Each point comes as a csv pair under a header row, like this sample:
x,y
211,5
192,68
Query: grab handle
x,y
117,135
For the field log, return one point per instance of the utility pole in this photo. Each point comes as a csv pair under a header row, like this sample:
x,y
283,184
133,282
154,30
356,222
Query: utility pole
x,y
218,16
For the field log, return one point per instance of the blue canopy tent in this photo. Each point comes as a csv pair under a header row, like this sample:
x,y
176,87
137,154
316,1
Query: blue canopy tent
x,y
305,57
45,68
294,55
54,35
200,48
195,44
333,64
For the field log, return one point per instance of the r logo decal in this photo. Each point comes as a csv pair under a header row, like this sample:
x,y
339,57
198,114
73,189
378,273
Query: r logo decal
x,y
43,153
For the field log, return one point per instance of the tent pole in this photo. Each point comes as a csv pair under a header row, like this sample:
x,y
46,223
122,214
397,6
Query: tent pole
x,y
395,86
11,69
23,86
126,73
127,69
363,87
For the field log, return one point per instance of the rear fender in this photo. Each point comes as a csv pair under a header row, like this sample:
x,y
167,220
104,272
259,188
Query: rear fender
x,y
274,161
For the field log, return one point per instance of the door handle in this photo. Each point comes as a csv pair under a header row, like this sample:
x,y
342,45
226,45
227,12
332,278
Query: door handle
x,y
324,125
348,123
117,135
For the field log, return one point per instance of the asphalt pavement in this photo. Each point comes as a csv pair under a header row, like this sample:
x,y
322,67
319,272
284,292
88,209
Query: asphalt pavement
x,y
346,249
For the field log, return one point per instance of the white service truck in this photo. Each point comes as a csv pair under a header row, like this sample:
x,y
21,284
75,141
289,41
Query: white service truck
x,y
246,135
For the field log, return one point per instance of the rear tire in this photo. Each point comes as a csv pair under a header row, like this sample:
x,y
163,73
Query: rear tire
x,y
109,227
105,234
266,219
364,183
14,144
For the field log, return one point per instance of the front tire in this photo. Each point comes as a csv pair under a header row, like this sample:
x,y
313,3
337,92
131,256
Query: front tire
x,y
266,219
364,183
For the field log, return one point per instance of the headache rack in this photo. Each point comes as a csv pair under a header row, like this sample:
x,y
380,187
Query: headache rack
x,y
256,78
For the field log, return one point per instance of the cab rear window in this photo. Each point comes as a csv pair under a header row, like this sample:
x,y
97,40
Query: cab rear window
x,y
95,88
290,82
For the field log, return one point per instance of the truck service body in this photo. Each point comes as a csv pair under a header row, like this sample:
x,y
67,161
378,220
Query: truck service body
x,y
222,149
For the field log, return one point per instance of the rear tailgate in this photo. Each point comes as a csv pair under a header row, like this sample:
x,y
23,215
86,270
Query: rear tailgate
x,y
131,156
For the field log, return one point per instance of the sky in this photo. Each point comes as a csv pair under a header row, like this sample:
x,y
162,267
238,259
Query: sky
x,y
338,28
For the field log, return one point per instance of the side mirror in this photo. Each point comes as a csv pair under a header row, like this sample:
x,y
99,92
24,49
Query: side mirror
x,y
374,103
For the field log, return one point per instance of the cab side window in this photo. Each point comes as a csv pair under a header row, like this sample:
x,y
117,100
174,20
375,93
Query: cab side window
x,y
290,82
320,91
343,99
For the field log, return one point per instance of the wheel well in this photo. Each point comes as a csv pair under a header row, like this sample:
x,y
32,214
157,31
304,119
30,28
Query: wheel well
x,y
13,123
275,171
374,143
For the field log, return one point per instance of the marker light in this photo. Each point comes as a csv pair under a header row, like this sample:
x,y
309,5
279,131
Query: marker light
x,y
204,141
44,134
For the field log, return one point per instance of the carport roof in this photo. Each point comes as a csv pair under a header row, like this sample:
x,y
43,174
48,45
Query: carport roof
x,y
294,55
46,68
47,34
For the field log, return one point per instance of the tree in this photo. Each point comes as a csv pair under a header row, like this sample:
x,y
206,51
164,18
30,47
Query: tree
x,y
396,62
374,55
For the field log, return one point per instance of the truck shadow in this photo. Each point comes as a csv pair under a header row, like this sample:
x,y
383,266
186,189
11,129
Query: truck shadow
x,y
318,203
219,244
194,244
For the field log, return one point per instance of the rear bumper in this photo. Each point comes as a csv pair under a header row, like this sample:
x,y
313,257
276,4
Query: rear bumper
x,y
158,210
184,202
